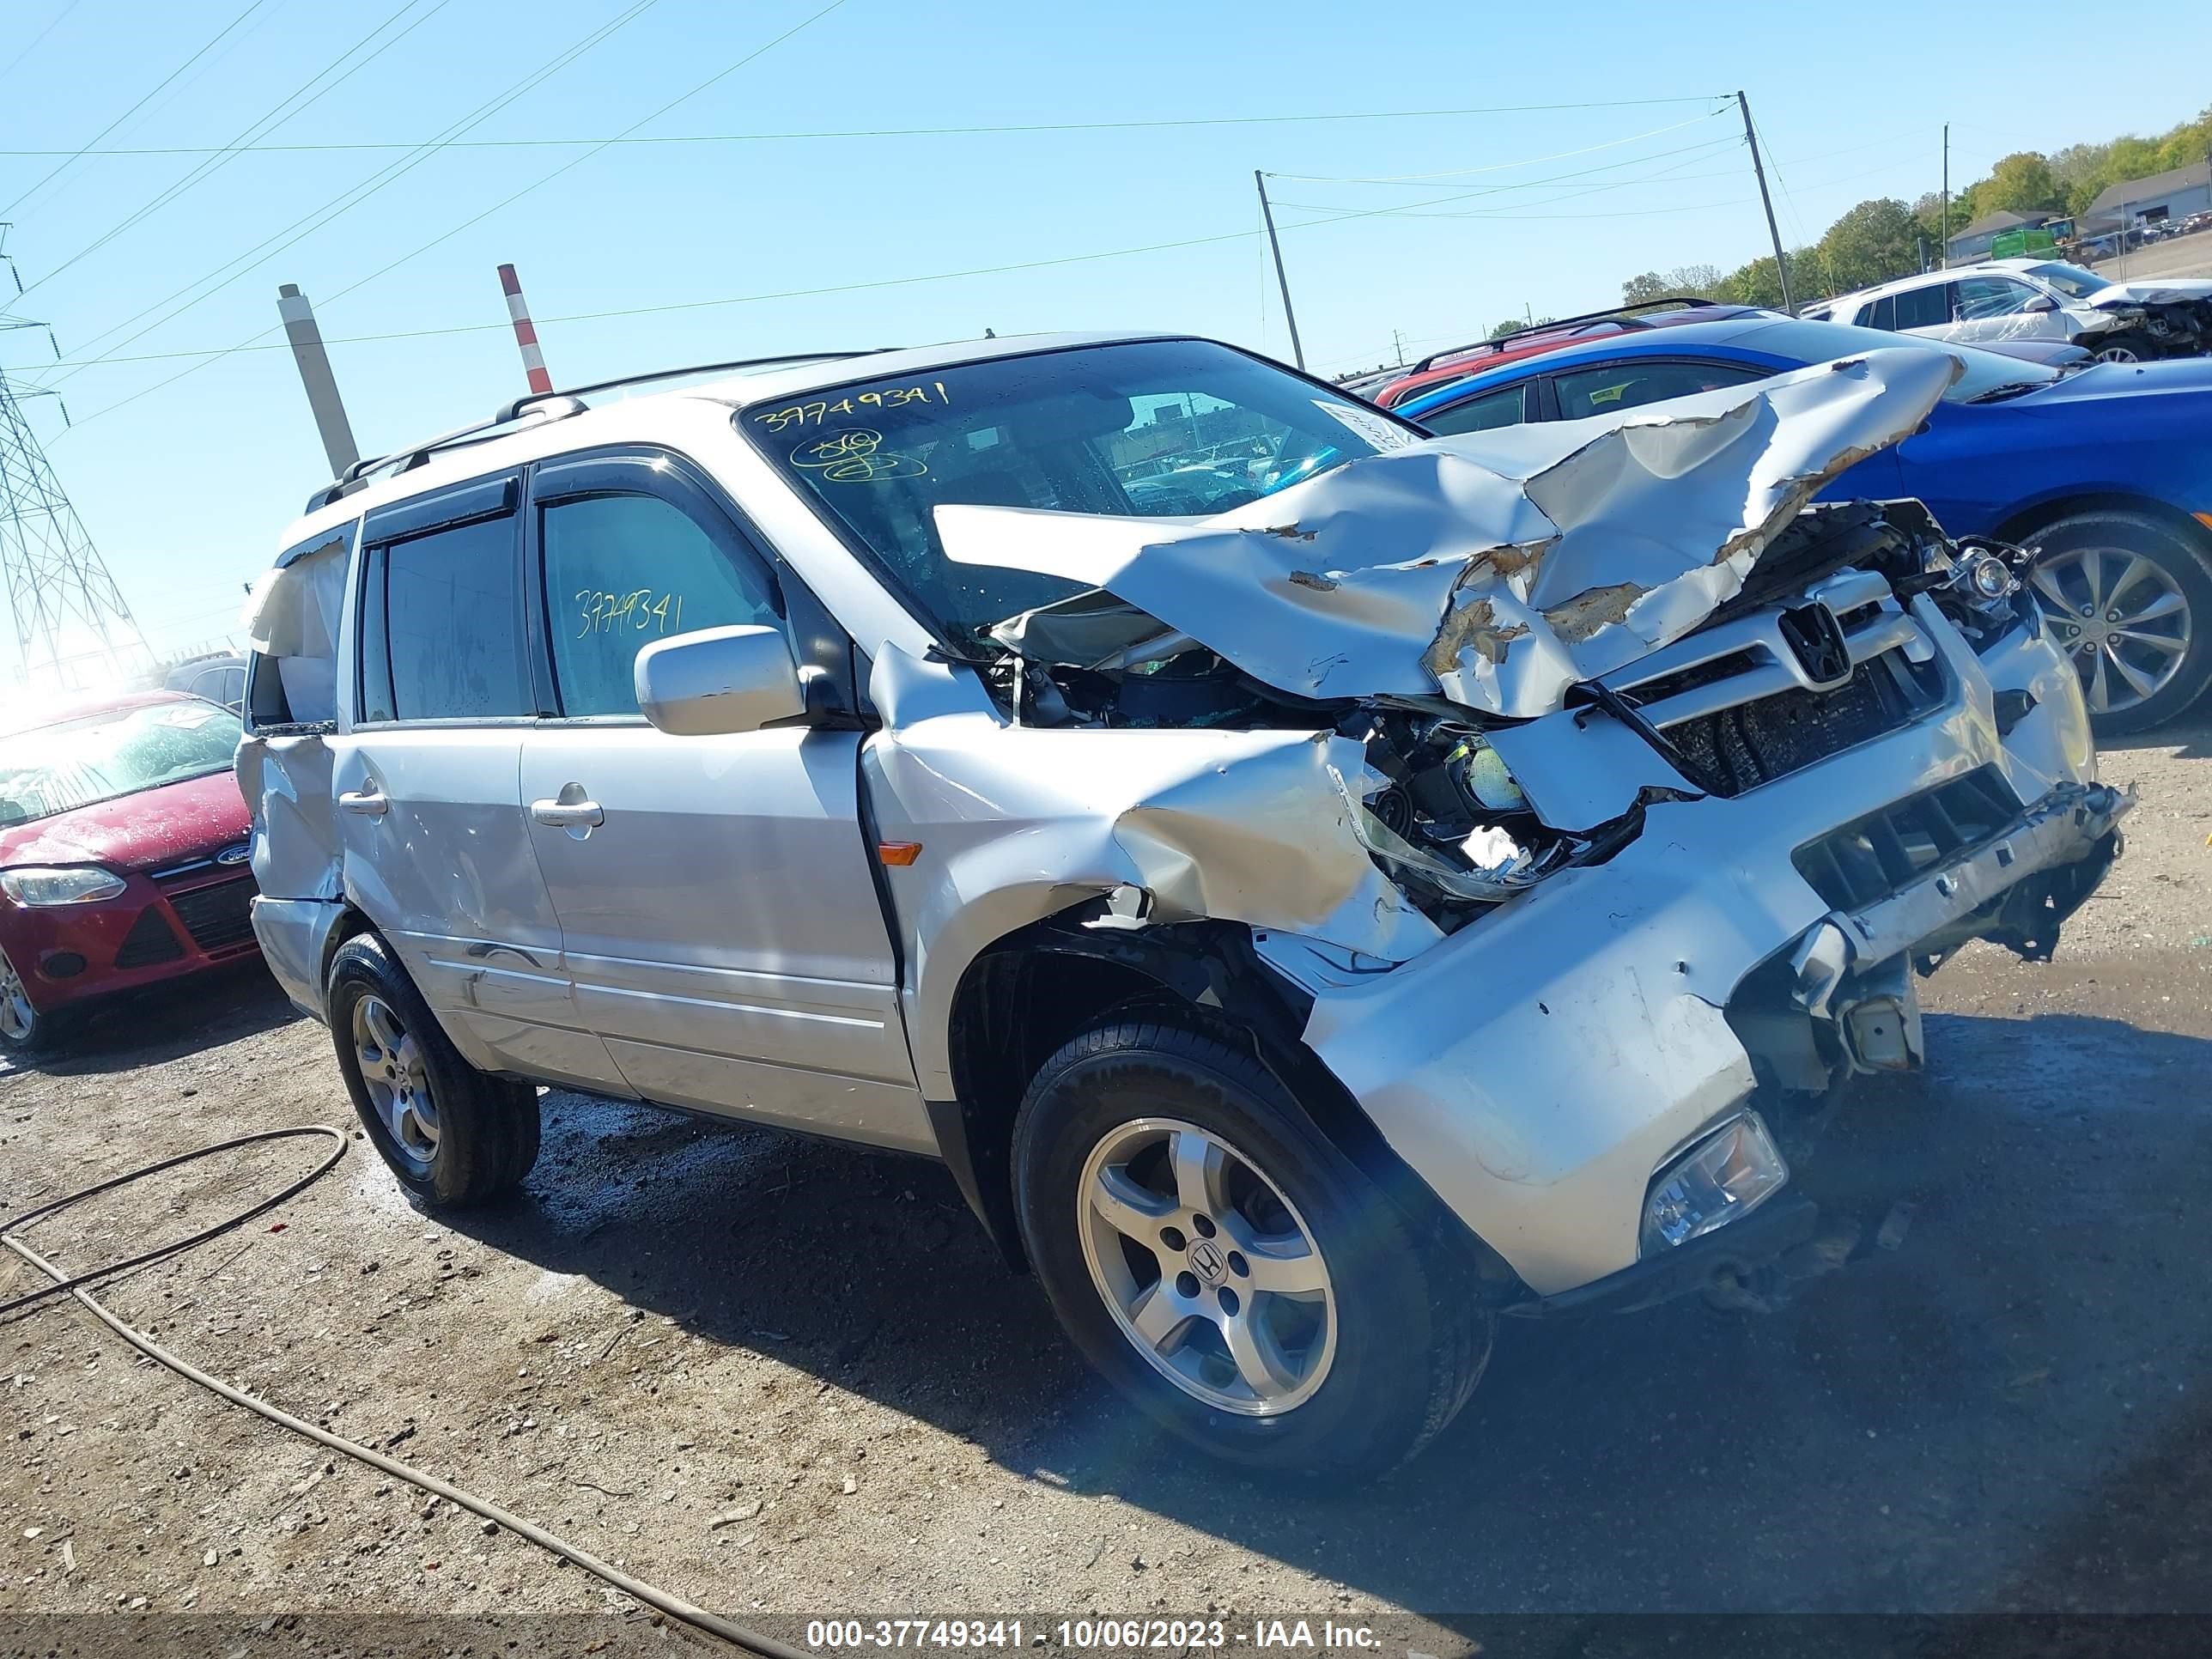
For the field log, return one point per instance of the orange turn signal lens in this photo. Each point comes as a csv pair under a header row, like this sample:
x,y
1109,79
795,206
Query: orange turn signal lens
x,y
898,854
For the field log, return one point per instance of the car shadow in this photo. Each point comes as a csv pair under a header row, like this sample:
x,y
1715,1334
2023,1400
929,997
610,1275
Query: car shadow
x,y
1943,1424
2189,735
167,1021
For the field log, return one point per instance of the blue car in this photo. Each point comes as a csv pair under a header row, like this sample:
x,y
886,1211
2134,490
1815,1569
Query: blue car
x,y
2106,469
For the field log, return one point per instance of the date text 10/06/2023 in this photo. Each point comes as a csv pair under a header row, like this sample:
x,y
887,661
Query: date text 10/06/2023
x,y
1104,1635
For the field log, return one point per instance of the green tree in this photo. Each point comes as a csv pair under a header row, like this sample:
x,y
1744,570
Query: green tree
x,y
1871,243
2020,183
1759,284
1514,325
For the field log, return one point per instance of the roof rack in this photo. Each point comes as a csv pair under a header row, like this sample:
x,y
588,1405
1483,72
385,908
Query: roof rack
x,y
1624,316
547,406
414,455
510,412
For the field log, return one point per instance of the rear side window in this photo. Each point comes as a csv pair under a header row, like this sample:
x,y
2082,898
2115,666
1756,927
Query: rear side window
x,y
622,571
1615,387
441,626
1881,314
1493,410
1924,308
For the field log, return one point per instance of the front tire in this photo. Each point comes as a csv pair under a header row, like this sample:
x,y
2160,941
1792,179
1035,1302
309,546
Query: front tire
x,y
24,1031
1223,1264
452,1136
2128,599
2125,348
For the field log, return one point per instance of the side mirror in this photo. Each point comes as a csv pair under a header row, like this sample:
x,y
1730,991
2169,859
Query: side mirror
x,y
718,681
2041,302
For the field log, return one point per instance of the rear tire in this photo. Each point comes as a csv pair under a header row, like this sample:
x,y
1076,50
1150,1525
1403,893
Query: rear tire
x,y
2086,563
1259,1249
452,1136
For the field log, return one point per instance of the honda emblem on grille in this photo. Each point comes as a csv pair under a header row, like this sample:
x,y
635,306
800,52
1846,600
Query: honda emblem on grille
x,y
1816,639
237,854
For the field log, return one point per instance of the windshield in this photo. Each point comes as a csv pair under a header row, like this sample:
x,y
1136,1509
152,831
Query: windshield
x,y
58,769
1153,429
2072,281
1823,343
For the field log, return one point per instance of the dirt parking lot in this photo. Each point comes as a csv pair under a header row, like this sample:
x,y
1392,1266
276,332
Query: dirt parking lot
x,y
778,1376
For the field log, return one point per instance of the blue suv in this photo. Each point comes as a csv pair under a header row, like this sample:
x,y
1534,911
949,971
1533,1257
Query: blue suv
x,y
2106,469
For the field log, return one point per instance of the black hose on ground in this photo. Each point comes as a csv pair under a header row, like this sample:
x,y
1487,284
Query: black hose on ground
x,y
651,1595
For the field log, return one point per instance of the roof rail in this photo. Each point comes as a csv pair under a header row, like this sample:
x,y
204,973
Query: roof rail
x,y
401,460
1624,315
510,412
547,407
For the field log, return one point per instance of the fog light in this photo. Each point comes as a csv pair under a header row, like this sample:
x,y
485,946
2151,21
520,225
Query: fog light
x,y
1991,579
1728,1172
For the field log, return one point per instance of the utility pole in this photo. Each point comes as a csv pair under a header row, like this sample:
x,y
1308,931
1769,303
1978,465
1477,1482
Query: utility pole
x,y
526,333
1943,235
1267,213
73,627
1398,346
329,408
1781,266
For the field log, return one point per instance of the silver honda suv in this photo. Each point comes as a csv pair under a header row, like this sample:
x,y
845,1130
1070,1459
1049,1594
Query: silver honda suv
x,y
1318,888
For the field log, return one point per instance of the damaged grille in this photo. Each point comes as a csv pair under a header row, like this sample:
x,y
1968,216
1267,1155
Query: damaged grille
x,y
1758,696
1756,743
1870,858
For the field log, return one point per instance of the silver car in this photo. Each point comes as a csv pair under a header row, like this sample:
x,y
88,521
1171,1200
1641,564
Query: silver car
x,y
1438,881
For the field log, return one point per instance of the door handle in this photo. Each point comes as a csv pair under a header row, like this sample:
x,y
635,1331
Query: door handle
x,y
369,803
568,814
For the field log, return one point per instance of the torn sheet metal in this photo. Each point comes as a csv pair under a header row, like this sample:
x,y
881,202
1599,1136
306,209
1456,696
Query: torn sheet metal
x,y
1497,568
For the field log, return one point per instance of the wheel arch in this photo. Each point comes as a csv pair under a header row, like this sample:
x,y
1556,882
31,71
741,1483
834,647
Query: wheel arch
x,y
1029,991
2023,522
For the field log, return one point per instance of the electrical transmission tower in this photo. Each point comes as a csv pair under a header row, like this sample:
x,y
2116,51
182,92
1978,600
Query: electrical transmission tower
x,y
73,627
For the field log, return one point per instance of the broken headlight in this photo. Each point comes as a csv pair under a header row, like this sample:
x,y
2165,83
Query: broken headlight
x,y
1724,1175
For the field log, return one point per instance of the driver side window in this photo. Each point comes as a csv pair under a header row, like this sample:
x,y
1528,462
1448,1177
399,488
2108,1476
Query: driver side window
x,y
1612,387
1982,297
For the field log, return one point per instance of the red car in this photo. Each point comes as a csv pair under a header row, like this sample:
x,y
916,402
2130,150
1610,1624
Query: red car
x,y
124,850
1442,367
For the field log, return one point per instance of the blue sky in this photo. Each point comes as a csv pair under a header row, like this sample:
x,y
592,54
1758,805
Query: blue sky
x,y
185,487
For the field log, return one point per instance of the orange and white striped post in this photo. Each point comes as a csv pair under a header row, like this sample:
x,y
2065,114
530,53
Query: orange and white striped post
x,y
525,332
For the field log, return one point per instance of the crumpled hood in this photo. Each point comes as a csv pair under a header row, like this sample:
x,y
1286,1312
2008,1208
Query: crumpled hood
x,y
2170,292
1497,569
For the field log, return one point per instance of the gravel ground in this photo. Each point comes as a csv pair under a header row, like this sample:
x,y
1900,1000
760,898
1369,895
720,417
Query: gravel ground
x,y
781,1377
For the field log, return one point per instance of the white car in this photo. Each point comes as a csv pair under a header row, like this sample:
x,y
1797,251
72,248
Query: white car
x,y
2002,300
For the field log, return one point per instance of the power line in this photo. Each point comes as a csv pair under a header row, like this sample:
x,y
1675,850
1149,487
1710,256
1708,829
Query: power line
x,y
1332,216
252,6
53,24
894,132
293,104
1497,166
316,218
683,98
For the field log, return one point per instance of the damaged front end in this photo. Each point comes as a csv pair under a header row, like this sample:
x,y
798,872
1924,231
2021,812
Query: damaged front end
x,y
1583,785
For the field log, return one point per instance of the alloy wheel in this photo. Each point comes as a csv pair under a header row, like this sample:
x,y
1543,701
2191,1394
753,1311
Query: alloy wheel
x,y
2118,354
2121,617
393,1070
17,1016
1209,1271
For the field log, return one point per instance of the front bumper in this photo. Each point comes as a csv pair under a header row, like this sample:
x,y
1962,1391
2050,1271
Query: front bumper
x,y
163,926
1540,1066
